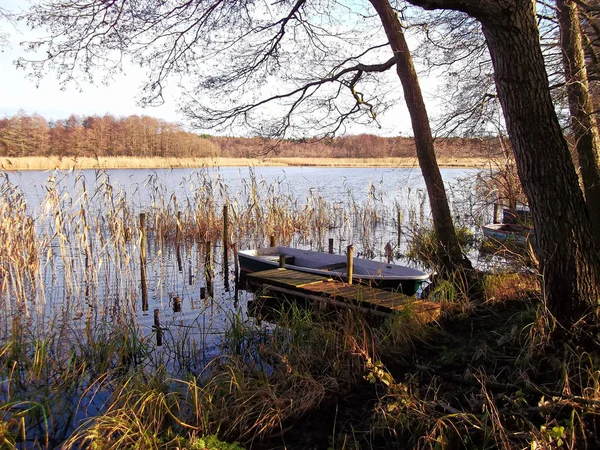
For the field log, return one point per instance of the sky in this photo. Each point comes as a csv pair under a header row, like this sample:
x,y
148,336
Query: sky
x,y
17,92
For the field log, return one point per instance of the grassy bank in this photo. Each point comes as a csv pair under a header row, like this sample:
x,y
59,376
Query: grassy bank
x,y
117,162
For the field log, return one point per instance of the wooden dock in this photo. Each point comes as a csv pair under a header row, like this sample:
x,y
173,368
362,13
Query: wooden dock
x,y
336,292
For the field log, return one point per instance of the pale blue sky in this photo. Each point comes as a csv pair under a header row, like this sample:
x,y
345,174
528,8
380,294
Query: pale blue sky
x,y
119,97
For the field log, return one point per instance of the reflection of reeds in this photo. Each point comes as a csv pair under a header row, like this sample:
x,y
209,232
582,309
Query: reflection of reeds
x,y
80,247
70,308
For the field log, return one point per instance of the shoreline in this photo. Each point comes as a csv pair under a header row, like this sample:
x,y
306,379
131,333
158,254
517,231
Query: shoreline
x,y
122,162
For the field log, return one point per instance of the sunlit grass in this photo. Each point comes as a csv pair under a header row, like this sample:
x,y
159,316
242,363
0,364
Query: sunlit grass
x,y
128,162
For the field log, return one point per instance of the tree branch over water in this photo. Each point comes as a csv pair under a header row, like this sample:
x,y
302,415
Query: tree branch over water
x,y
276,68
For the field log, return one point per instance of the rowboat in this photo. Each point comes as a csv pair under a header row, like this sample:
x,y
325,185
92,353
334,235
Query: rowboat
x,y
508,232
375,273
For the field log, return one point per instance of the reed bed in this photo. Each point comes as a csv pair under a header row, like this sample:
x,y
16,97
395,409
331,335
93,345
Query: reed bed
x,y
127,162
80,360
78,352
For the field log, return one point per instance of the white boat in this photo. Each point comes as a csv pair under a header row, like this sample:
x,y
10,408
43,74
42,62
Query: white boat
x,y
376,273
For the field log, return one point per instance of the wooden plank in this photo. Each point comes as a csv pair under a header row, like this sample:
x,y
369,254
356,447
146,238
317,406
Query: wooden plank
x,y
286,277
316,287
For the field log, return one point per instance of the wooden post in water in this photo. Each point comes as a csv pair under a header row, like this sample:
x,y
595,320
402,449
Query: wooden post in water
x,y
496,213
350,263
208,259
331,245
225,236
144,281
226,246
282,261
272,240
178,242
157,328
176,304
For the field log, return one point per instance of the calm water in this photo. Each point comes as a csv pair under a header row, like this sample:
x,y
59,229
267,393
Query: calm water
x,y
172,273
333,183
88,244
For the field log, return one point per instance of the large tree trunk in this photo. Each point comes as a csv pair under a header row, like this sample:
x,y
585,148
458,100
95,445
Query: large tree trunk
x,y
569,260
583,120
450,252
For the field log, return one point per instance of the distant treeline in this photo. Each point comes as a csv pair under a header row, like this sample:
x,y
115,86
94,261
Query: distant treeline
x,y
32,135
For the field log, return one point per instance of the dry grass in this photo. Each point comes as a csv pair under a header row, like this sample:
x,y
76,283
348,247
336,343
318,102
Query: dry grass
x,y
117,162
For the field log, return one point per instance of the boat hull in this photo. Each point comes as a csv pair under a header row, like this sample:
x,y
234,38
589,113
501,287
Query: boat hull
x,y
408,284
508,233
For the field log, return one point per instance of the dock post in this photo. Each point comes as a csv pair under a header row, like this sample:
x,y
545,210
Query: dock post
x,y
281,261
272,240
157,328
350,263
144,280
496,213
331,245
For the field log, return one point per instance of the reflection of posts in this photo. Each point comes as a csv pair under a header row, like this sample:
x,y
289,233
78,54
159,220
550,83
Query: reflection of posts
x,y
157,328
331,245
208,267
236,264
143,262
350,263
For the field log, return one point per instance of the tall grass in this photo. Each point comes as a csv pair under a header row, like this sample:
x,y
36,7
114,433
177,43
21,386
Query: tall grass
x,y
80,365
78,358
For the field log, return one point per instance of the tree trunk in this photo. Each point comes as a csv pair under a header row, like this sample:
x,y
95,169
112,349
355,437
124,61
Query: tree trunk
x,y
583,120
450,252
569,260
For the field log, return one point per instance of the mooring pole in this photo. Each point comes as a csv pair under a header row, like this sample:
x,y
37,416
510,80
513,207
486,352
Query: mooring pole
x,y
272,240
144,281
350,263
157,328
178,243
331,245
225,236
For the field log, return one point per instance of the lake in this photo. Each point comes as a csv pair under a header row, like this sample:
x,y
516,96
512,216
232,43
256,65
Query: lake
x,y
73,260
87,241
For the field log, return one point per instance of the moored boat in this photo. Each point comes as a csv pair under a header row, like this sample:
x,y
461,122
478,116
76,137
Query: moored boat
x,y
508,232
376,273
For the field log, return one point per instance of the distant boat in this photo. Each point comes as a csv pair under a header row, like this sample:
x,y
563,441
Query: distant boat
x,y
508,232
380,274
